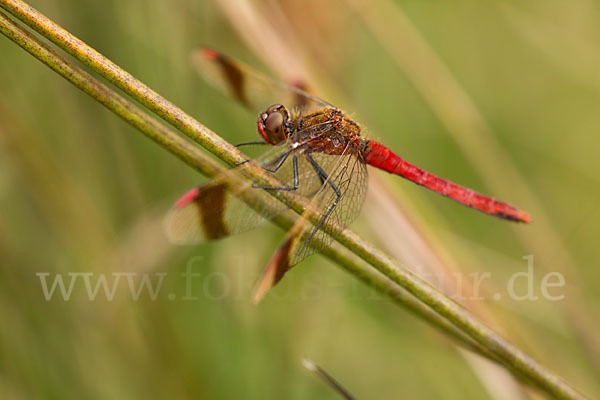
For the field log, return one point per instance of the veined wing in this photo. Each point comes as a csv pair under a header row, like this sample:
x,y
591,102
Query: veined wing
x,y
214,210
338,202
249,87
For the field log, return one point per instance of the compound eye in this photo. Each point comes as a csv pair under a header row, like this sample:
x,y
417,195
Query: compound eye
x,y
273,108
274,122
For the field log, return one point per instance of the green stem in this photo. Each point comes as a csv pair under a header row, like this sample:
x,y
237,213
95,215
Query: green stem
x,y
468,324
197,159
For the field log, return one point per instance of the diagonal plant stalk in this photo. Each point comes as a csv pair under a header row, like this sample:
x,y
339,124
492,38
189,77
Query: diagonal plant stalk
x,y
467,324
198,160
191,155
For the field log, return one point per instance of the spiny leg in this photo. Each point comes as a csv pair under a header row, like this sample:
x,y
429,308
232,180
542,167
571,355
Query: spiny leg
x,y
250,143
325,179
278,161
322,176
247,144
279,164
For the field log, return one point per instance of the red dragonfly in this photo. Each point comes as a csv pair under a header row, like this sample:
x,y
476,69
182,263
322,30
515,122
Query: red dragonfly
x,y
316,151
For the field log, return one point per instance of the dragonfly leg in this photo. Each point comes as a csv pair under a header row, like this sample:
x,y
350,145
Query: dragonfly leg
x,y
320,173
247,144
279,164
250,143
325,179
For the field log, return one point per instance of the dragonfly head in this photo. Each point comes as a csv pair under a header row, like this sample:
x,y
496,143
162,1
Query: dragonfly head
x,y
274,124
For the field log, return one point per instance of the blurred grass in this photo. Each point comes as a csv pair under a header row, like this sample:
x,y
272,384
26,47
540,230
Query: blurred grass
x,y
82,192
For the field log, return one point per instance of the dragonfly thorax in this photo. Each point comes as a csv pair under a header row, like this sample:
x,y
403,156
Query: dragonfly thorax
x,y
326,130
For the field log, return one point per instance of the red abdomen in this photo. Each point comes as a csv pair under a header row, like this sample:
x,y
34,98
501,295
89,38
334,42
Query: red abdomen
x,y
377,155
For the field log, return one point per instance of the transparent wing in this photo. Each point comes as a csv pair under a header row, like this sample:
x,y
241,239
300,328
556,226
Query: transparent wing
x,y
251,88
339,201
214,209
337,185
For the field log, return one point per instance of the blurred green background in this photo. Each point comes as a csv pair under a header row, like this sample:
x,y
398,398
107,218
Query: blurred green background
x,y
437,81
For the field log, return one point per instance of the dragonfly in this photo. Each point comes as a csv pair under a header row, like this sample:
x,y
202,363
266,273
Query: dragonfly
x,y
314,150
